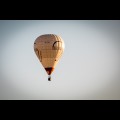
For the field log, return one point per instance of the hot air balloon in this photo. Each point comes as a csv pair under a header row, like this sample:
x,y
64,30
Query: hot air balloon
x,y
49,49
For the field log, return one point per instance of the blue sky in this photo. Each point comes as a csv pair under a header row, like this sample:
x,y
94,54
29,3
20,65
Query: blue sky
x,y
88,69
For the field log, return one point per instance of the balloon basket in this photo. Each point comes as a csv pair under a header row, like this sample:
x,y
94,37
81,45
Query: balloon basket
x,y
49,78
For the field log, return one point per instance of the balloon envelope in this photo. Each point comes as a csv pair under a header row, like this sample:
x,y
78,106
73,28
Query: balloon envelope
x,y
49,48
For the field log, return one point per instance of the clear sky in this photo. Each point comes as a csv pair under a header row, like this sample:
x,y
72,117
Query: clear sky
x,y
88,69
